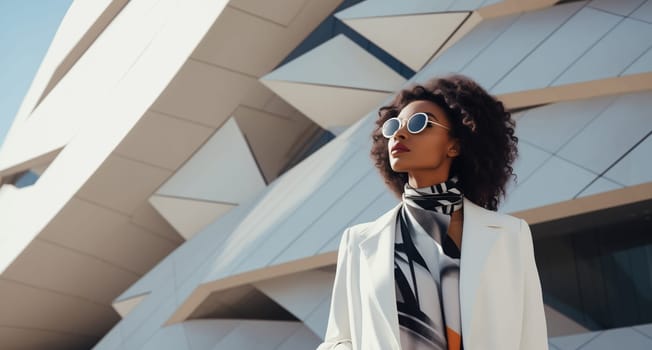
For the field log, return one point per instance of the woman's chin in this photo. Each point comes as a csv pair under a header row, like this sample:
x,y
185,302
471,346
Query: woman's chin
x,y
398,167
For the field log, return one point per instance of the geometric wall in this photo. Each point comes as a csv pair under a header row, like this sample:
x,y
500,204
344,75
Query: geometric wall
x,y
183,198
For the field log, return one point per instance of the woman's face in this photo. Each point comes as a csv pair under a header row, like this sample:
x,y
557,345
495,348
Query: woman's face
x,y
431,151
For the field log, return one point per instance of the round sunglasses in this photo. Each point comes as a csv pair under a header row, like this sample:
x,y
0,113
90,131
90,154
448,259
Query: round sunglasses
x,y
415,124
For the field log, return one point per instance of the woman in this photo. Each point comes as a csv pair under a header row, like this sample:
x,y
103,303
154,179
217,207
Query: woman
x,y
442,269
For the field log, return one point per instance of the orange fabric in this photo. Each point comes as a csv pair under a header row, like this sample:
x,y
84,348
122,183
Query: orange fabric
x,y
454,339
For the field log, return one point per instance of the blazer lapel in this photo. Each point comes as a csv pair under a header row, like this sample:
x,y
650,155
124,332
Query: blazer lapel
x,y
481,228
378,253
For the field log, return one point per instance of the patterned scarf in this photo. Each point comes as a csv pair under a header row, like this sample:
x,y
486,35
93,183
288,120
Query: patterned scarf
x,y
426,270
444,198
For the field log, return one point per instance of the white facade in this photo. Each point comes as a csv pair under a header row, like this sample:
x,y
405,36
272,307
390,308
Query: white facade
x,y
171,209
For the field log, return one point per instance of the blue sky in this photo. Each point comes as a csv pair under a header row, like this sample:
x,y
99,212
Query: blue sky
x,y
26,30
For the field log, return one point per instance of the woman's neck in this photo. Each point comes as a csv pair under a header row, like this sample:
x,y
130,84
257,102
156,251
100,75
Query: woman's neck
x,y
426,179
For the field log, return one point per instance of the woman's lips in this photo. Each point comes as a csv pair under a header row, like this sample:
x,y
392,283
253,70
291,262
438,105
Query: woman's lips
x,y
399,148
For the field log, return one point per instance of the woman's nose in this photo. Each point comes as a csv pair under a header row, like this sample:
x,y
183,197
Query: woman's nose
x,y
401,133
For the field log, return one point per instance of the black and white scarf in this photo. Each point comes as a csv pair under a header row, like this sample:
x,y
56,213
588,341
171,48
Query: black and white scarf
x,y
445,197
426,270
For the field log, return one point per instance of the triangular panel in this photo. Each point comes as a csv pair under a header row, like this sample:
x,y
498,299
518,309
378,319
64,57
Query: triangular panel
x,y
188,216
330,107
339,62
395,34
223,170
124,307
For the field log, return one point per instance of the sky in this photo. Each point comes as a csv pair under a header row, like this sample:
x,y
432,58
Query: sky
x,y
26,30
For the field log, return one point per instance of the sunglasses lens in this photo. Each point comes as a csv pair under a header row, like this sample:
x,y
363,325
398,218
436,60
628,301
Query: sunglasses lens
x,y
417,122
390,127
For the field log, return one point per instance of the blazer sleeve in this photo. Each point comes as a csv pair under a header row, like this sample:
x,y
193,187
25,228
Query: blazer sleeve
x,y
338,333
534,334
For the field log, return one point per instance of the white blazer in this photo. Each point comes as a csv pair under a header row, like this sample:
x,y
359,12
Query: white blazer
x,y
500,292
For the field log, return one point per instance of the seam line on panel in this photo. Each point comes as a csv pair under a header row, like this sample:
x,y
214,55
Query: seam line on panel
x,y
587,124
491,42
140,54
548,156
553,346
589,340
119,330
534,171
279,116
634,61
185,334
81,252
336,202
301,9
617,14
639,20
588,49
154,233
95,337
536,47
292,334
101,205
319,304
211,64
255,16
146,320
196,199
452,3
54,291
268,101
640,332
202,265
434,54
178,302
616,162
156,114
579,131
170,115
128,216
348,224
593,172
120,155
636,9
607,11
336,86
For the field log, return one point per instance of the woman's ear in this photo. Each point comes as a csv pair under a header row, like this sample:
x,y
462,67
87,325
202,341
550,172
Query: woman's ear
x,y
454,149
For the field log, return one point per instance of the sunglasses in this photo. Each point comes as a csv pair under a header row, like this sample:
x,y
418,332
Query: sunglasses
x,y
415,124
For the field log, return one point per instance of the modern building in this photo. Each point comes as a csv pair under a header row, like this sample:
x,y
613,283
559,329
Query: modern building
x,y
180,172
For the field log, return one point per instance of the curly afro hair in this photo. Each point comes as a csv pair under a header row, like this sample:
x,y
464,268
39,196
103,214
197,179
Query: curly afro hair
x,y
481,124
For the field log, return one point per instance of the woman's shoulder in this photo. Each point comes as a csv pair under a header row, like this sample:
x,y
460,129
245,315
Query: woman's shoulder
x,y
361,230
511,222
491,217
